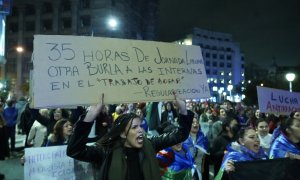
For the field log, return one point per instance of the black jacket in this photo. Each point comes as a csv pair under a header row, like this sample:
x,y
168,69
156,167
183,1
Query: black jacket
x,y
77,142
218,148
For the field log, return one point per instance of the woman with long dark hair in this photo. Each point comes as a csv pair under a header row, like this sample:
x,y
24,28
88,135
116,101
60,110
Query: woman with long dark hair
x,y
61,133
170,113
124,152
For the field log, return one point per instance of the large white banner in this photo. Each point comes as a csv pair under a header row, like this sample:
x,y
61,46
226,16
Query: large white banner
x,y
53,163
277,101
76,70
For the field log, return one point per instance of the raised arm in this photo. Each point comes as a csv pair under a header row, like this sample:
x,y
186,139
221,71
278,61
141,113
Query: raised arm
x,y
94,111
77,147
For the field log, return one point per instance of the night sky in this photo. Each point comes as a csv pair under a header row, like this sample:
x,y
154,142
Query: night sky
x,y
266,29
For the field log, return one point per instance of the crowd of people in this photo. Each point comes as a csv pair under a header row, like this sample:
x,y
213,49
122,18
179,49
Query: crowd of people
x,y
159,140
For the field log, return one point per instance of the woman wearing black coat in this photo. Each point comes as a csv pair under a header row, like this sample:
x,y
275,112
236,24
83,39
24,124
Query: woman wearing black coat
x,y
124,152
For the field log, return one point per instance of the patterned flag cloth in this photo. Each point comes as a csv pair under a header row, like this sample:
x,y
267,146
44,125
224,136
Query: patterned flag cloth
x,y
198,147
176,165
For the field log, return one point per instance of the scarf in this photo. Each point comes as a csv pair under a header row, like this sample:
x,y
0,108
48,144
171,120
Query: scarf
x,y
149,164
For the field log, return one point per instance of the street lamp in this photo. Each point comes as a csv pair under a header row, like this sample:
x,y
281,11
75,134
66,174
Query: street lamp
x,y
15,49
112,23
229,88
290,77
19,49
220,93
224,94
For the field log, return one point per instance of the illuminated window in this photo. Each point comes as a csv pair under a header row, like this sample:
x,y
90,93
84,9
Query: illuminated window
x,y
188,42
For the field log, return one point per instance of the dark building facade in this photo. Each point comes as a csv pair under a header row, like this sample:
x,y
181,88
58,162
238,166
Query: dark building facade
x,y
224,61
136,19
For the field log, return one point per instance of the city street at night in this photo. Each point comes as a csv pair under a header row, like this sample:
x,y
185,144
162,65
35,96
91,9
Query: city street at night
x,y
149,89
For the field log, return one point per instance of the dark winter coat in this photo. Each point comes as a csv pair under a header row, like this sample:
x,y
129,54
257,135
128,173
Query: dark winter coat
x,y
103,157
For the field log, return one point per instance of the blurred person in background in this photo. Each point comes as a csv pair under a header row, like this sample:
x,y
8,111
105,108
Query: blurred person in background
x,y
103,122
247,148
20,105
215,126
287,143
250,116
198,145
10,114
38,132
61,133
265,138
55,115
206,115
141,114
273,122
230,128
4,147
118,111
169,114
